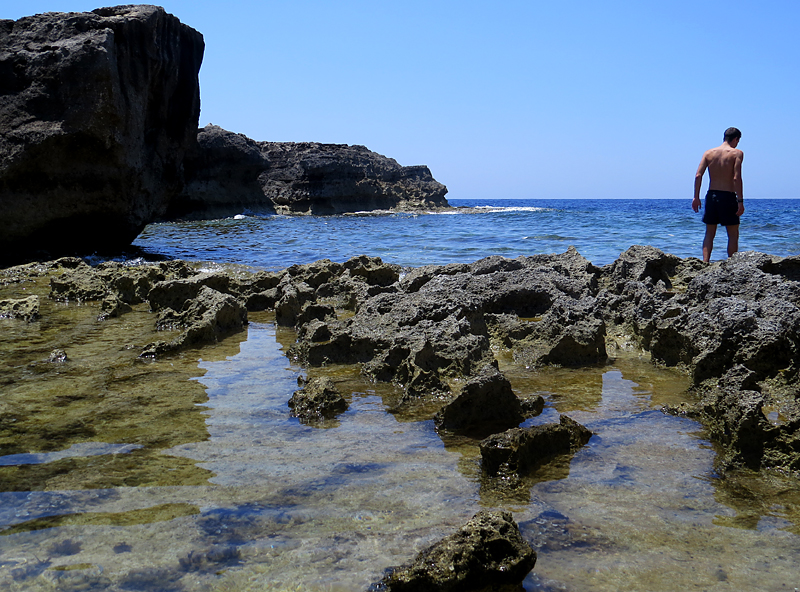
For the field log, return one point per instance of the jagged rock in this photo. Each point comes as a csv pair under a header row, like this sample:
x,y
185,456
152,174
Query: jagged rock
x,y
731,314
175,294
206,318
292,297
318,399
131,284
96,114
571,333
439,323
735,331
487,551
128,284
518,450
737,419
485,404
640,263
81,283
532,406
24,309
373,271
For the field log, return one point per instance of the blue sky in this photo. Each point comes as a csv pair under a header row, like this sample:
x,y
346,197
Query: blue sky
x,y
515,99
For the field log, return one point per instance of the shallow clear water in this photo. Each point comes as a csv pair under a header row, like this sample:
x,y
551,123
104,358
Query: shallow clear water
x,y
599,229
208,484
187,473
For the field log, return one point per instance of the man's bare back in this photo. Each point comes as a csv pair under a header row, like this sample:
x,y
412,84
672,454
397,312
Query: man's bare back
x,y
724,165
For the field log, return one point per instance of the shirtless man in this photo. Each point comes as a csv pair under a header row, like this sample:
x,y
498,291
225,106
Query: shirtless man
x,y
724,200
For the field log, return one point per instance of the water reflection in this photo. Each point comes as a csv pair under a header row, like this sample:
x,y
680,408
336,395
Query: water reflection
x,y
761,501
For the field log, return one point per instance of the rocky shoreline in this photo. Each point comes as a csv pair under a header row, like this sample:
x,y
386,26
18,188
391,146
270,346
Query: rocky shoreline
x,y
732,327
434,332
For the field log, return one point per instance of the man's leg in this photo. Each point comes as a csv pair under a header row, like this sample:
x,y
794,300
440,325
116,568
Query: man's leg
x,y
733,238
708,241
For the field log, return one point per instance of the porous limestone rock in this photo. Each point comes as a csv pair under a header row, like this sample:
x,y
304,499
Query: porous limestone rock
x,y
318,399
485,404
487,551
25,309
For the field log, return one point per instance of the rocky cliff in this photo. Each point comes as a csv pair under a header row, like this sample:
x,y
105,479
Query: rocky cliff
x,y
98,138
96,113
228,173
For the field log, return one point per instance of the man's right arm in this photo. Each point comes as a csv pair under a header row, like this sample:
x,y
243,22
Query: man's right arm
x,y
698,181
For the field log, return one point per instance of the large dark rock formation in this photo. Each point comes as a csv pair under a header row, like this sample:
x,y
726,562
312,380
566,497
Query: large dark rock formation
x,y
313,178
222,171
228,173
439,323
96,112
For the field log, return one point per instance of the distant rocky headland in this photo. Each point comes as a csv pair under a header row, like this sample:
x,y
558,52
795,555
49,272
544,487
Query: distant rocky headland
x,y
227,173
99,137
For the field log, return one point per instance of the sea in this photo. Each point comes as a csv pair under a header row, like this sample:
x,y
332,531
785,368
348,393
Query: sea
x,y
187,473
600,229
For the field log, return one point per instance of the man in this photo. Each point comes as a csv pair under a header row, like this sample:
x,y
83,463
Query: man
x,y
724,200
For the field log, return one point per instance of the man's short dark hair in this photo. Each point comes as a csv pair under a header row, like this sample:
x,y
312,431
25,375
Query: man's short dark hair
x,y
731,134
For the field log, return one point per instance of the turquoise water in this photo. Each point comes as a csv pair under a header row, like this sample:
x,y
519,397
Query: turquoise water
x,y
599,229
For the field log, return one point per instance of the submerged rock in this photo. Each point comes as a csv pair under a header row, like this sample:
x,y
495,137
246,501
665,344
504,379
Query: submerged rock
x,y
318,399
98,111
487,551
519,450
57,356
